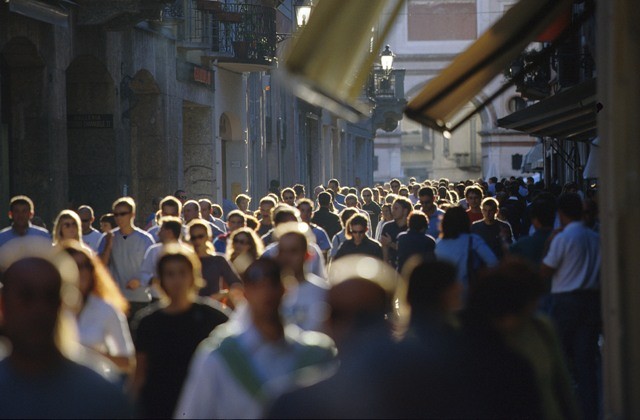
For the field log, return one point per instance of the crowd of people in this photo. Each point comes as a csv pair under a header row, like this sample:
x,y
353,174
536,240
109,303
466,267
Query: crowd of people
x,y
432,299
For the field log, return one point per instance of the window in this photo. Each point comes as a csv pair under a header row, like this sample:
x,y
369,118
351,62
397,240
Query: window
x,y
436,20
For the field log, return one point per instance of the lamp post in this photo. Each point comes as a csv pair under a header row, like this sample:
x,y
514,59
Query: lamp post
x,y
303,10
386,60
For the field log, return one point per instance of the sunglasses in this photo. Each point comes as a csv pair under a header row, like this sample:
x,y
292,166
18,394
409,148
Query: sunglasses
x,y
198,237
68,224
121,214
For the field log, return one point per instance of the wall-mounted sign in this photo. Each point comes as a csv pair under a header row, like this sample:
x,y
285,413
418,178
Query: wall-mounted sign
x,y
79,121
189,72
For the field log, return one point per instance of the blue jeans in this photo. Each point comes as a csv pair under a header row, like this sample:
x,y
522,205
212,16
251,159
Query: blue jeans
x,y
578,321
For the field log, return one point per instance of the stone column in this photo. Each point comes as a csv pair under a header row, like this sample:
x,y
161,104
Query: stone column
x,y
618,62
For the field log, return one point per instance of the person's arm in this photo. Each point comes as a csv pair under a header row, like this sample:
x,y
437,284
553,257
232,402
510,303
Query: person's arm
x,y
104,247
140,375
121,350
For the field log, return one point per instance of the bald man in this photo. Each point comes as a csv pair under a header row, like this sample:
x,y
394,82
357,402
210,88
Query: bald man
x,y
37,380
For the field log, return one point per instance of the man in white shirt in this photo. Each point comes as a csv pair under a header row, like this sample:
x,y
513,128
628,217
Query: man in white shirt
x,y
573,265
90,236
244,366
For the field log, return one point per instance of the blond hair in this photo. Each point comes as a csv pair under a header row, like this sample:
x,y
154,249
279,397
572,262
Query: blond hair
x,y
57,226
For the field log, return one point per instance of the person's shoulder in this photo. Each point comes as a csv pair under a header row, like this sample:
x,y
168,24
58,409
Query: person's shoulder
x,y
37,230
144,234
211,307
312,341
316,281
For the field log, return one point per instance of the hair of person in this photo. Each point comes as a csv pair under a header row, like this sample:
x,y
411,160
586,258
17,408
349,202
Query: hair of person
x,y
353,191
204,202
331,193
171,201
367,189
403,189
355,220
390,198
427,283
268,200
109,218
57,225
404,202
504,290
173,224
544,209
305,201
324,199
473,189
344,190
299,189
570,204
490,201
21,200
256,249
346,214
417,221
125,201
395,180
177,193
241,197
453,195
191,203
237,213
298,234
351,197
274,196
200,223
217,208
86,208
426,191
103,285
282,212
251,222
334,181
175,252
455,222
287,190
386,206
262,269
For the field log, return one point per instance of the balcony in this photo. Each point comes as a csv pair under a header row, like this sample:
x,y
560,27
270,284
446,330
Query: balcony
x,y
243,35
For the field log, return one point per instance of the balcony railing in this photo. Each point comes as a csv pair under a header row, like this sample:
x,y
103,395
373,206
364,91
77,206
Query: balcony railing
x,y
246,32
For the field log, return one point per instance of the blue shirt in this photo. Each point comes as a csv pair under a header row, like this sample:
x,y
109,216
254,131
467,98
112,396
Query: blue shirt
x,y
456,251
9,233
322,239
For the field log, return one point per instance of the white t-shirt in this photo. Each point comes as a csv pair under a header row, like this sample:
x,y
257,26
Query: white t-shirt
x,y
315,264
305,304
104,328
92,239
575,255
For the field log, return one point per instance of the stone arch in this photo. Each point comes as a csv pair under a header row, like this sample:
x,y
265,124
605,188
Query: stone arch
x,y
91,134
24,127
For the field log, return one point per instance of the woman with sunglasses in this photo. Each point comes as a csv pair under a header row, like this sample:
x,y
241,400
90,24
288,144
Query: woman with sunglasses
x,y
218,274
68,227
244,248
102,321
357,241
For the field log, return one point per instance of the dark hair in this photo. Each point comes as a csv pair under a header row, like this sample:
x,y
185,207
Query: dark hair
x,y
21,200
299,189
418,221
543,208
334,181
237,213
251,222
263,268
427,282
267,200
473,189
504,290
324,198
125,201
174,224
395,180
570,204
346,214
109,218
87,209
455,222
283,212
426,191
356,219
404,202
287,190
305,201
171,201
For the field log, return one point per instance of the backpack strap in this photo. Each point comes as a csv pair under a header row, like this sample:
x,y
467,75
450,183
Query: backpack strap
x,y
241,367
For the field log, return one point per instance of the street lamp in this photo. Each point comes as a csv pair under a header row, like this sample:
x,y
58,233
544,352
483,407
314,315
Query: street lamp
x,y
303,12
386,59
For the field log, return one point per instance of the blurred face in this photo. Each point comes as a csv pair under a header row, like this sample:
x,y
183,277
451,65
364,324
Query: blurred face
x,y
489,212
367,196
190,212
85,280
426,201
198,236
176,279
68,229
395,187
123,215
358,233
386,214
30,307
170,211
182,196
265,212
289,198
333,186
234,223
264,297
205,208
305,212
397,212
215,212
473,199
350,202
291,253
404,192
243,204
317,191
21,215
105,227
86,221
241,243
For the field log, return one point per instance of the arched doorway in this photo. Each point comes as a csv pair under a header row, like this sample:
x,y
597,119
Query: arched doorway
x,y
90,134
24,132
